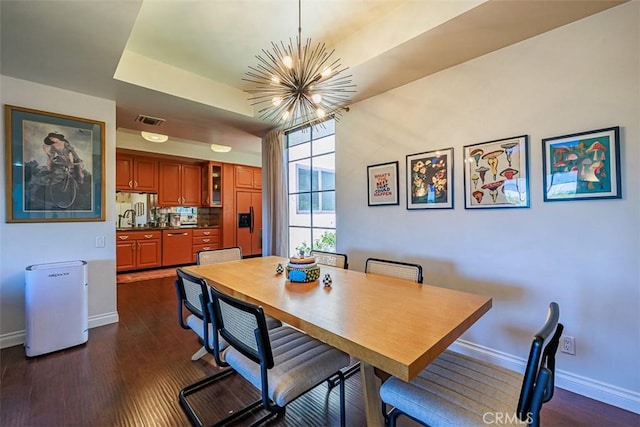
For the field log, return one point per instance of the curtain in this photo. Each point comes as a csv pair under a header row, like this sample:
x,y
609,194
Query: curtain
x,y
275,218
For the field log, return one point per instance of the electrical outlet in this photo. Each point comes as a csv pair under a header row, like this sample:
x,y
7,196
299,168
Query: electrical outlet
x,y
568,345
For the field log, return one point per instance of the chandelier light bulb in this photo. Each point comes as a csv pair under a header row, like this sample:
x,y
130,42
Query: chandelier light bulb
x,y
298,83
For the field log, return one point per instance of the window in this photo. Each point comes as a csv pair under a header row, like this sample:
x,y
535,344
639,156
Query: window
x,y
312,188
321,186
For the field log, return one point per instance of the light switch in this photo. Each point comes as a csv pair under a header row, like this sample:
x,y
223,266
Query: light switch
x,y
99,241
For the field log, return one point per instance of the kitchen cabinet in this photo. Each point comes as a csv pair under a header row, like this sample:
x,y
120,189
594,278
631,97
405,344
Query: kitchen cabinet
x,y
205,239
249,222
138,174
212,187
177,246
248,177
229,217
180,184
136,250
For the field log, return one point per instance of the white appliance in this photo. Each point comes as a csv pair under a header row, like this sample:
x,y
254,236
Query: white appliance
x,y
56,306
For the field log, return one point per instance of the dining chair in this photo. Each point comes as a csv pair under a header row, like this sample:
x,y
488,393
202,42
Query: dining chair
x,y
457,390
193,297
330,258
234,253
283,363
402,270
209,256
191,300
212,256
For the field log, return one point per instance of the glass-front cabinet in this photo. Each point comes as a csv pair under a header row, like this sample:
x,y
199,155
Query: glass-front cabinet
x,y
214,185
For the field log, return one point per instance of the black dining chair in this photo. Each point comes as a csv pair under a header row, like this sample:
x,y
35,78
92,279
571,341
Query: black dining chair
x,y
283,363
457,390
191,310
193,297
233,253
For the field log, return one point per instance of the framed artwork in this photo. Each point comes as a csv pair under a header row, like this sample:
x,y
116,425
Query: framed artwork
x,y
54,167
496,174
430,180
583,165
382,182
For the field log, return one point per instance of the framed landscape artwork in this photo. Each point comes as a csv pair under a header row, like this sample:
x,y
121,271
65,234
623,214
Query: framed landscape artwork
x,y
382,183
54,167
430,180
583,165
496,174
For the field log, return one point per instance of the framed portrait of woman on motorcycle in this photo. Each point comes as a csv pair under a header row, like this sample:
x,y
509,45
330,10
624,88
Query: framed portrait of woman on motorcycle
x,y
54,167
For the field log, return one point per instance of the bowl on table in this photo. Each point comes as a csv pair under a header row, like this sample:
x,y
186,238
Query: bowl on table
x,y
302,270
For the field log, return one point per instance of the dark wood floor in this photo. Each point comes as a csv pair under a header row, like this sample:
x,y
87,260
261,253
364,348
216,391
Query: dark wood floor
x,y
129,374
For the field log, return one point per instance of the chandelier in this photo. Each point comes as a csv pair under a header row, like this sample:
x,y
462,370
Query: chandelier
x,y
298,84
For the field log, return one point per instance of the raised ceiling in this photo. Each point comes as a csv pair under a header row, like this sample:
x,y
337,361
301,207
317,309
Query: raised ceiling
x,y
184,60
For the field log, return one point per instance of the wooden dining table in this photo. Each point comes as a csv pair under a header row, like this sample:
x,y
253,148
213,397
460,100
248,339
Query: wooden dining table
x,y
388,323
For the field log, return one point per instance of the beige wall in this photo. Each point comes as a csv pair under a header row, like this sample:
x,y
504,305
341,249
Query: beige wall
x,y
22,245
583,254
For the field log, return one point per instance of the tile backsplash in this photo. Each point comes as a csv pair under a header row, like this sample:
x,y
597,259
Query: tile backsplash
x,y
141,209
132,209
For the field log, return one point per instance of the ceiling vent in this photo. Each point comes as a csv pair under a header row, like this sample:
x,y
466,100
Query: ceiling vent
x,y
148,120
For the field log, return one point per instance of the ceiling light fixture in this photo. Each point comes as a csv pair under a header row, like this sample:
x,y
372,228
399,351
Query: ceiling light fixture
x,y
296,84
220,148
154,137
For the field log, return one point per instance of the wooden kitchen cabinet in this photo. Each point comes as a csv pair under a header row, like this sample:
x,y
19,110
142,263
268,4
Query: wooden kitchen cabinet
x,y
180,184
205,239
177,247
248,177
212,185
242,195
138,174
136,250
125,255
229,219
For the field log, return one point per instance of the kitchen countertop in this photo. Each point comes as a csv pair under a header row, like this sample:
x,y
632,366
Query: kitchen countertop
x,y
186,227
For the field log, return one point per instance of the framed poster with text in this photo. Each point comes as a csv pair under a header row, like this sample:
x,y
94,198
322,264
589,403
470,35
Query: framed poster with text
x,y
382,182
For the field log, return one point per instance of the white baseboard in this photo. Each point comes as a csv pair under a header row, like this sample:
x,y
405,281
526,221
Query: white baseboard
x,y
12,339
607,393
17,338
103,319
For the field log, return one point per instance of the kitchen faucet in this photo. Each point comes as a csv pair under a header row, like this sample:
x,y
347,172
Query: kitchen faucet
x,y
126,213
